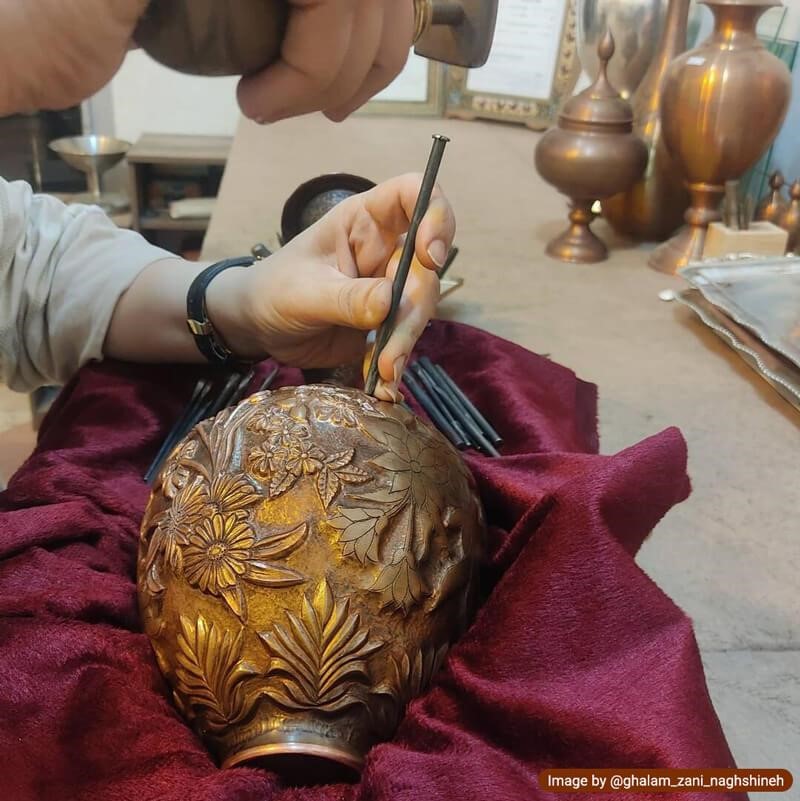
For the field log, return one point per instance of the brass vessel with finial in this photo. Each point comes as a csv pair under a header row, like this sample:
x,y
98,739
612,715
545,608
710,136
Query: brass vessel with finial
x,y
773,205
790,219
591,154
723,104
653,207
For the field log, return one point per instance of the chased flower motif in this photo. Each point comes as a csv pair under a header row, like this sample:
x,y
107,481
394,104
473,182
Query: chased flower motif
x,y
415,468
175,475
338,413
305,459
223,552
265,419
172,530
395,525
229,495
281,463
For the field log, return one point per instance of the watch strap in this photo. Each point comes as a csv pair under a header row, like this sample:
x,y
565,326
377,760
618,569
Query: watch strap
x,y
206,337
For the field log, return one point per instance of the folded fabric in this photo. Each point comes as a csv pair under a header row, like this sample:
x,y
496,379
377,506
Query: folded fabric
x,y
576,658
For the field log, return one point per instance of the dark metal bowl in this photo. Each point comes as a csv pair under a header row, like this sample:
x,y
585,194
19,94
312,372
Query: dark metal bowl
x,y
315,198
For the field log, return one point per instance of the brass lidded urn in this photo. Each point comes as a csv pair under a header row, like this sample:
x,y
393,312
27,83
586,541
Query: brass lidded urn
x,y
306,559
773,205
591,153
723,104
653,208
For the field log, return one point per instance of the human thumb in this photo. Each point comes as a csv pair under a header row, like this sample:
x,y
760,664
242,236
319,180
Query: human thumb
x,y
361,303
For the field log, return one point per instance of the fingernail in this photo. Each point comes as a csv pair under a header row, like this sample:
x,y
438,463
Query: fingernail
x,y
392,392
399,364
438,252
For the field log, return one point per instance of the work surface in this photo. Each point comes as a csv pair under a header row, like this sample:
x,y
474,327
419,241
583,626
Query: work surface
x,y
730,556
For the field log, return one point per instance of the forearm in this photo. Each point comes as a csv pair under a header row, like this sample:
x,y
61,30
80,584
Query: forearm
x,y
62,272
149,321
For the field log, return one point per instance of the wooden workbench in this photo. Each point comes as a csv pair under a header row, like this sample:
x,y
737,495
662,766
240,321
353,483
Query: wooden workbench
x,y
730,556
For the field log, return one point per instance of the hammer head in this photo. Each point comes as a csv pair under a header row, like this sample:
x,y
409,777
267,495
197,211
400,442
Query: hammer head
x,y
466,43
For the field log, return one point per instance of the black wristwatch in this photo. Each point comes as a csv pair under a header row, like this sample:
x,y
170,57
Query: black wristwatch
x,y
205,335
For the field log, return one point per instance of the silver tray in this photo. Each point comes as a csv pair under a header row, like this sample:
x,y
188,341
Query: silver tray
x,y
761,294
782,374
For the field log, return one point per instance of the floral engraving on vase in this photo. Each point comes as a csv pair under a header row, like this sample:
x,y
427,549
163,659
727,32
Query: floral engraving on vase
x,y
213,685
171,531
224,552
204,535
278,532
287,453
396,524
319,660
407,679
176,474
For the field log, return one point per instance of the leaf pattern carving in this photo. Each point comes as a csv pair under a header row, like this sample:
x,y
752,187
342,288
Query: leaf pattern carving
x,y
407,679
337,469
401,585
319,660
396,524
211,678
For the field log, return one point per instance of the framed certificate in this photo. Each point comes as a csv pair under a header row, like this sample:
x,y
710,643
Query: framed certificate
x,y
417,91
533,66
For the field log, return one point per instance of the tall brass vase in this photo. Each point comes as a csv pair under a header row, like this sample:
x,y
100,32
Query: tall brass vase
x,y
722,105
653,207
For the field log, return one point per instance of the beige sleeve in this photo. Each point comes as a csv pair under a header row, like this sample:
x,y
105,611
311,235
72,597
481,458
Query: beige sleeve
x,y
62,271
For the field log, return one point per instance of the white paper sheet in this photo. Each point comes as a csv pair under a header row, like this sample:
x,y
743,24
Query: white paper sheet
x,y
525,50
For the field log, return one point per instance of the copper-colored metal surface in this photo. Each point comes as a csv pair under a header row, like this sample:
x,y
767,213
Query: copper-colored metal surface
x,y
639,24
207,37
723,103
591,154
790,219
654,206
774,204
305,561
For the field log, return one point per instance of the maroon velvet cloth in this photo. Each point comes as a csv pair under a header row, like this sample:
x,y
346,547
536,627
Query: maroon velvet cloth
x,y
576,659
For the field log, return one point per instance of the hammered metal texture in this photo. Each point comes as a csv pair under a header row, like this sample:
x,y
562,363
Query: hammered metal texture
x,y
305,561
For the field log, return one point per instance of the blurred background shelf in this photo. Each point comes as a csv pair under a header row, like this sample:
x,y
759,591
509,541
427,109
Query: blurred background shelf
x,y
163,168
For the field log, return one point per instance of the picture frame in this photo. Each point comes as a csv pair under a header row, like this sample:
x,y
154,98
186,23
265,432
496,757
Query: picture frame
x,y
497,91
417,92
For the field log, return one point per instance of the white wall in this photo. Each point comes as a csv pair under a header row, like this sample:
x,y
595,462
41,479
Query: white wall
x,y
144,96
147,97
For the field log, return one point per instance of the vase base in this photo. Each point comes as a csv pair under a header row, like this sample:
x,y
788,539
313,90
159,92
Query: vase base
x,y
578,244
304,760
685,247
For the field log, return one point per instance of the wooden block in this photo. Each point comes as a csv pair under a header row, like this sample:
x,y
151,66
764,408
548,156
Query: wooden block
x,y
760,239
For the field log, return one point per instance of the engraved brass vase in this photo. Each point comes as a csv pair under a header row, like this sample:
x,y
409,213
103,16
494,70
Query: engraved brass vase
x,y
653,207
306,559
592,153
723,104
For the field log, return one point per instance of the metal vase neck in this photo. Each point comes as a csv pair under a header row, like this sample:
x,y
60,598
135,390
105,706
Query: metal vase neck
x,y
735,23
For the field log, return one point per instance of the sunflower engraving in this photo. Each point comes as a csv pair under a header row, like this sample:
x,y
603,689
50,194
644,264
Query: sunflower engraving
x,y
229,495
223,552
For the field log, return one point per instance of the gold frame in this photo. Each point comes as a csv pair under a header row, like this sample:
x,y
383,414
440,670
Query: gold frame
x,y
432,106
536,113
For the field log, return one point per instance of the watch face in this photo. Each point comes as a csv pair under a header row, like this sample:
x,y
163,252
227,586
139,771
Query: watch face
x,y
314,199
